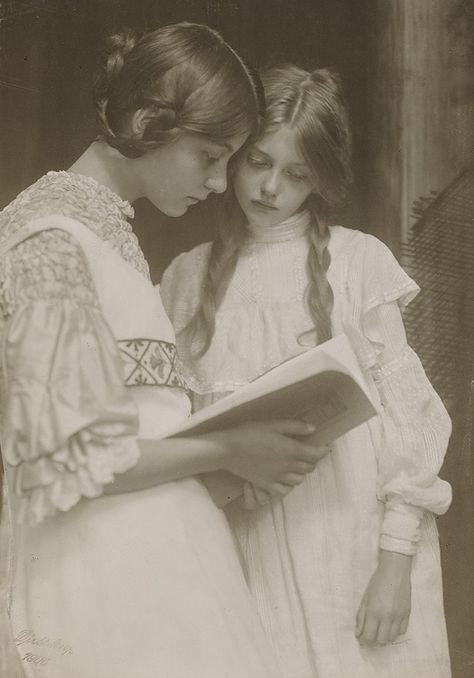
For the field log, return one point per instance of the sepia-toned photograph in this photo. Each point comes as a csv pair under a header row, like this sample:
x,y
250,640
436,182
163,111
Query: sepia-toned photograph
x,y
237,339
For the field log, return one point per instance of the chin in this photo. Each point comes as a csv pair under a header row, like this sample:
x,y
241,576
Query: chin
x,y
173,210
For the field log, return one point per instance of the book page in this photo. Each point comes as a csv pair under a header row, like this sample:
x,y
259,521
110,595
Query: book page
x,y
315,387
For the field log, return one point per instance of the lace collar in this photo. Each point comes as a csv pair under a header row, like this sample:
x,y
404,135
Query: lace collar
x,y
292,228
95,190
83,198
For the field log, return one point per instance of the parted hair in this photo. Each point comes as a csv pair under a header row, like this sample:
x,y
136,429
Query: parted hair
x,y
184,77
312,104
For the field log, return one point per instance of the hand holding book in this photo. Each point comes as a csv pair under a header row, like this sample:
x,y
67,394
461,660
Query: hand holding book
x,y
324,386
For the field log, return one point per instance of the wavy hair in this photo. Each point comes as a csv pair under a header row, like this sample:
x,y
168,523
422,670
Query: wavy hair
x,y
185,76
312,104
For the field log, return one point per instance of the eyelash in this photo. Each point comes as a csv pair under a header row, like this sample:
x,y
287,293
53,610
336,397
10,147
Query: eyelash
x,y
256,162
262,163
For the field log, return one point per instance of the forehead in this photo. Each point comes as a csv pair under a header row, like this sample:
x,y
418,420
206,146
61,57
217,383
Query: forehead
x,y
282,143
233,144
230,145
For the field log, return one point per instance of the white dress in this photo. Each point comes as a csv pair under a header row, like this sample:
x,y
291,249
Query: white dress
x,y
139,585
310,556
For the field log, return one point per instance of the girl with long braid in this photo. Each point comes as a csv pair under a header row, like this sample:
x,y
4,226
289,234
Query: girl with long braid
x,y
345,569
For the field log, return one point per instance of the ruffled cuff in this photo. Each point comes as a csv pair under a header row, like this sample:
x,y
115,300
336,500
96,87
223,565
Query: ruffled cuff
x,y
69,422
59,482
401,528
415,435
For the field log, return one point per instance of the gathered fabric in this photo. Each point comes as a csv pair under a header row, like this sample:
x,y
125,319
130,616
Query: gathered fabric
x,y
103,585
309,557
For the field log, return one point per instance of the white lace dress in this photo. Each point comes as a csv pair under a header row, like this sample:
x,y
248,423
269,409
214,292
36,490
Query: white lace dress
x,y
137,585
310,556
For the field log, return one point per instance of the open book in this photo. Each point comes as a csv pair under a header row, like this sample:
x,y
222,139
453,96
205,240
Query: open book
x,y
324,386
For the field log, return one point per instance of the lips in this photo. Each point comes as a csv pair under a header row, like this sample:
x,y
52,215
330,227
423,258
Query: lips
x,y
194,199
261,204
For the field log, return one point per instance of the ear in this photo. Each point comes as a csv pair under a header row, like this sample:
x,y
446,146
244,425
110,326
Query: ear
x,y
139,122
146,123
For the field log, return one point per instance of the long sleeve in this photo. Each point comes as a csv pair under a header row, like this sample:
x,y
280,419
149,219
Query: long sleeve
x,y
68,422
414,422
416,433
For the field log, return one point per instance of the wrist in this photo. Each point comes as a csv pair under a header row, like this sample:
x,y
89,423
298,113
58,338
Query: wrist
x,y
392,562
218,451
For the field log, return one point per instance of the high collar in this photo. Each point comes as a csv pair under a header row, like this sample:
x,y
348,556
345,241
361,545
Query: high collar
x,y
290,229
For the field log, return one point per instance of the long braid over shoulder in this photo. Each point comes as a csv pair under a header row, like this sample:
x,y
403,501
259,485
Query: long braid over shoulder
x,y
312,104
319,295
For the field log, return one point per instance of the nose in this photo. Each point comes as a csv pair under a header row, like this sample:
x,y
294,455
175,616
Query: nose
x,y
217,182
269,185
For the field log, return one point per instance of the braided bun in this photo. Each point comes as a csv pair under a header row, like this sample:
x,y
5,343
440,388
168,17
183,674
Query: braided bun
x,y
115,51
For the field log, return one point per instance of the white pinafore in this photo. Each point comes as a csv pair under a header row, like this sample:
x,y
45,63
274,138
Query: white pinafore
x,y
139,585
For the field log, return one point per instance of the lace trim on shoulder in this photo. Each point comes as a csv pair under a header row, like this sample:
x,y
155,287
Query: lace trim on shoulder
x,y
89,182
82,198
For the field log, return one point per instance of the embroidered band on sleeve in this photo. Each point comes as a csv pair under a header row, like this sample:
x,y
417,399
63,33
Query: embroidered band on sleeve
x,y
150,362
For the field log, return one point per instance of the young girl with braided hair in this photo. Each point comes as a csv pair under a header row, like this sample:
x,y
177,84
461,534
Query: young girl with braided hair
x,y
345,569
122,566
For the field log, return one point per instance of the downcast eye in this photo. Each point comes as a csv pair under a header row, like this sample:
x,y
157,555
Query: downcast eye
x,y
258,162
297,177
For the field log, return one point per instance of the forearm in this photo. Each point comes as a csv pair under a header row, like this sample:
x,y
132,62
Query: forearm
x,y
162,461
265,454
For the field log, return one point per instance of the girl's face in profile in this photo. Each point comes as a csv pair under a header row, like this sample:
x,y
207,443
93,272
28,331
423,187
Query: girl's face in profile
x,y
273,180
185,171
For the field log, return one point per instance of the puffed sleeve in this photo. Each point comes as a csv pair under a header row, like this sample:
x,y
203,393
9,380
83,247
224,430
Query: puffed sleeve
x,y
415,424
69,423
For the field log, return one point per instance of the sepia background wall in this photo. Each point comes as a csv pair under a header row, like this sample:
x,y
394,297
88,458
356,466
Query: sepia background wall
x,y
408,71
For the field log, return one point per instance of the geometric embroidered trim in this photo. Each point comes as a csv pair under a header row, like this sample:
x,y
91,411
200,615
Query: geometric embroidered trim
x,y
150,362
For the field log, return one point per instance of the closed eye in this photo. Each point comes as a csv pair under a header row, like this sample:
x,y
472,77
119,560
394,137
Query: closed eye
x,y
296,176
257,162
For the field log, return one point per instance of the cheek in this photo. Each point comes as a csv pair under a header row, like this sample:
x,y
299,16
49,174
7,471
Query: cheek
x,y
183,169
243,184
192,173
299,195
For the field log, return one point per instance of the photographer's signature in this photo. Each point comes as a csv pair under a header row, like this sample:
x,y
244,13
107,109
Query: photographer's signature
x,y
27,637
